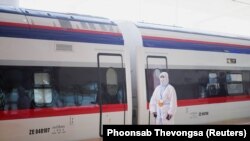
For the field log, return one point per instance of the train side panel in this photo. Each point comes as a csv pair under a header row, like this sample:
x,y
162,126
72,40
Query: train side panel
x,y
54,57
194,60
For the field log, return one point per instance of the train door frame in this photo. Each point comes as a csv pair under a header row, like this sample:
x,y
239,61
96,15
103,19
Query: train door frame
x,y
147,68
100,91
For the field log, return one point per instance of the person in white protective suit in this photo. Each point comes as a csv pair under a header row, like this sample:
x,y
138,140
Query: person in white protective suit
x,y
163,103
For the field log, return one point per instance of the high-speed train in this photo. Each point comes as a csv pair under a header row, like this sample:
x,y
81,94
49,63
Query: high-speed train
x,y
63,76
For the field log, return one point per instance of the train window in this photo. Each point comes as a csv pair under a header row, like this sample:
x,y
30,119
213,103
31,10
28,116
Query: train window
x,y
92,26
246,82
152,79
103,27
43,96
65,24
15,87
234,84
90,93
213,85
76,86
222,83
234,89
155,65
42,90
2,99
156,77
24,87
234,77
212,78
84,25
112,80
191,84
113,90
112,84
41,79
186,82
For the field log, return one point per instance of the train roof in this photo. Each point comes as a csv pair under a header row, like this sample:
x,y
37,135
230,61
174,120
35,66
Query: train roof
x,y
188,31
55,15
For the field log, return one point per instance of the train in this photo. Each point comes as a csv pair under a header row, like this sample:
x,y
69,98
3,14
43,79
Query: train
x,y
63,75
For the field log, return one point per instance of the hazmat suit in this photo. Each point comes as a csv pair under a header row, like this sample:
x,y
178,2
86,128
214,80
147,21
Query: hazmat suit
x,y
163,103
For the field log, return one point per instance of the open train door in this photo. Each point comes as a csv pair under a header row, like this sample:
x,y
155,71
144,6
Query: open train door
x,y
112,89
155,65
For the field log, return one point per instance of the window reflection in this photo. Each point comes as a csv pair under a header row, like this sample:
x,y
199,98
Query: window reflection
x,y
191,84
113,86
23,87
234,84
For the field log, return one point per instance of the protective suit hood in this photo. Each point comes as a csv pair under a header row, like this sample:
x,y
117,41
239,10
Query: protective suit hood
x,y
164,80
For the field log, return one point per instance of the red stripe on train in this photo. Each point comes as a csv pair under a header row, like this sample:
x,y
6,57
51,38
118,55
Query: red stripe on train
x,y
213,100
62,111
202,101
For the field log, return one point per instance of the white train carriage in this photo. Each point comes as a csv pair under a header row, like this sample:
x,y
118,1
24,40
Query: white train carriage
x,y
62,76
210,72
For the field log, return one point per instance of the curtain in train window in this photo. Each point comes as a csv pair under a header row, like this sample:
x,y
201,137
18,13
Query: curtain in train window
x,y
112,86
112,83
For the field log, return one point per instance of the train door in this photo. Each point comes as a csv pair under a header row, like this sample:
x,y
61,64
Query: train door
x,y
155,65
112,89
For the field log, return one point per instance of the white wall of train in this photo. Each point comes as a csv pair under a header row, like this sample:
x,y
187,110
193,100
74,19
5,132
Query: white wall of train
x,y
59,53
